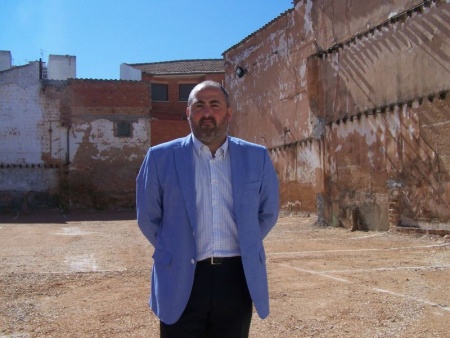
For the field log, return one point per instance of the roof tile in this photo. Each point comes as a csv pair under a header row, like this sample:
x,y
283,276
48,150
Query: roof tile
x,y
182,67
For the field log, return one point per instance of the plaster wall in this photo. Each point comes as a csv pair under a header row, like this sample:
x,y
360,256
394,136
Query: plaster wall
x,y
20,114
268,98
61,67
29,141
104,165
384,91
299,169
336,21
130,73
351,100
386,64
272,103
60,145
25,179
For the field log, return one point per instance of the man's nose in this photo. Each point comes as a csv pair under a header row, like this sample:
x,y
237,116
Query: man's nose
x,y
206,111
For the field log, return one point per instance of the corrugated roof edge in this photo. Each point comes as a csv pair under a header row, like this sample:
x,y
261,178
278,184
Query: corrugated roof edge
x,y
259,30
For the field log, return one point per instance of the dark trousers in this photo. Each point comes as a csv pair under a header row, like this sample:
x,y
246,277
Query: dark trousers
x,y
219,305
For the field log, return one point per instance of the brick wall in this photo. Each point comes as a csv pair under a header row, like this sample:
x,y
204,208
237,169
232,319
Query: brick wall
x,y
103,164
107,94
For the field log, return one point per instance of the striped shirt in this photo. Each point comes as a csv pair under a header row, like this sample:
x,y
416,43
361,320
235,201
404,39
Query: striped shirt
x,y
216,229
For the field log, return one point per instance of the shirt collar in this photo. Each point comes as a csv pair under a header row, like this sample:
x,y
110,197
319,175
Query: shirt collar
x,y
198,146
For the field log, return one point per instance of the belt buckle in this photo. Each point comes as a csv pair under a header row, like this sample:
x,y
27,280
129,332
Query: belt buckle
x,y
214,263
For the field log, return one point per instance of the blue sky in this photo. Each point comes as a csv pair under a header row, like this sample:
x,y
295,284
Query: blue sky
x,y
102,34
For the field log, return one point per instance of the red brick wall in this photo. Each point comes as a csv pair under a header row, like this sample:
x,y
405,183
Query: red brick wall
x,y
103,165
173,105
98,93
163,131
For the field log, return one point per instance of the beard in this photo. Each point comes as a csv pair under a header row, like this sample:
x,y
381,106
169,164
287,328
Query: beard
x,y
208,131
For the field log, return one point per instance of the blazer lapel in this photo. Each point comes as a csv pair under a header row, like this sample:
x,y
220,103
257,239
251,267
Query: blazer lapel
x,y
184,162
237,173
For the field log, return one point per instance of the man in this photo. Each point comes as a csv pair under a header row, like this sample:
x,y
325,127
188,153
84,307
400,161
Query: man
x,y
205,202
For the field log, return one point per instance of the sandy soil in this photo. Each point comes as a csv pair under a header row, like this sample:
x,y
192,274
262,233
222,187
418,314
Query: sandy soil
x,y
86,275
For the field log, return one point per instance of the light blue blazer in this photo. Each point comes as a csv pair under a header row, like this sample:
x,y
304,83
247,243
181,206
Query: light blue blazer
x,y
166,215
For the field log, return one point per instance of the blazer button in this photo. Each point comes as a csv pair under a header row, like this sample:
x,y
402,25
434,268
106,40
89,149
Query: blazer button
x,y
192,261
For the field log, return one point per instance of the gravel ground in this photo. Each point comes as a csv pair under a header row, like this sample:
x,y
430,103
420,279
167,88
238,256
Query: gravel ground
x,y
86,275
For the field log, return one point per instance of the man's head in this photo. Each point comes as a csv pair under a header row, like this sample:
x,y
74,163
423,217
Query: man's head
x,y
208,84
209,113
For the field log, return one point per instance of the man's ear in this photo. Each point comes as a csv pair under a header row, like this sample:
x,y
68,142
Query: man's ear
x,y
229,113
188,112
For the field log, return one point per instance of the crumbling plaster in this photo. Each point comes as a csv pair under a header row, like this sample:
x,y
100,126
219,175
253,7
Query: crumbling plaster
x,y
30,149
59,141
276,66
345,102
24,134
103,166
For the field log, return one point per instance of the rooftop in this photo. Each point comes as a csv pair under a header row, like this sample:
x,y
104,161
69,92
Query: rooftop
x,y
181,67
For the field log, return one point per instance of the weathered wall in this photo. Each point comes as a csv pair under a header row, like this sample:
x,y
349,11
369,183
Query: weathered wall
x,y
377,83
272,106
103,166
299,168
28,178
267,99
21,140
60,143
386,63
351,99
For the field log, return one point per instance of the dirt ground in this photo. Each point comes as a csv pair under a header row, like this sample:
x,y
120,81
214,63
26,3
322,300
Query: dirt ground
x,y
87,275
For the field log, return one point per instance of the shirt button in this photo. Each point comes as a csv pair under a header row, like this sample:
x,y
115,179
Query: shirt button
x,y
192,261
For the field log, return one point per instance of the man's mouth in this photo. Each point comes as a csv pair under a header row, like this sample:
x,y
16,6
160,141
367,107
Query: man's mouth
x,y
207,122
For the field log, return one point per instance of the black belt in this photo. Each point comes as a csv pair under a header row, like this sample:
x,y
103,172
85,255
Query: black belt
x,y
220,260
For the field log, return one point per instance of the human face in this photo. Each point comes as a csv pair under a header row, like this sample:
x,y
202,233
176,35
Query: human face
x,y
209,117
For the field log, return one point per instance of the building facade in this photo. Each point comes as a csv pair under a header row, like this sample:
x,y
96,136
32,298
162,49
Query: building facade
x,y
69,143
78,143
352,101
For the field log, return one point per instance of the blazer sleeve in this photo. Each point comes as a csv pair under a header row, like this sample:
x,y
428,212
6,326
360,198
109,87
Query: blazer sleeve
x,y
149,198
269,197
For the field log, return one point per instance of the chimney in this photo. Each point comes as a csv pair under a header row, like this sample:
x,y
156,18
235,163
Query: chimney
x,y
61,67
